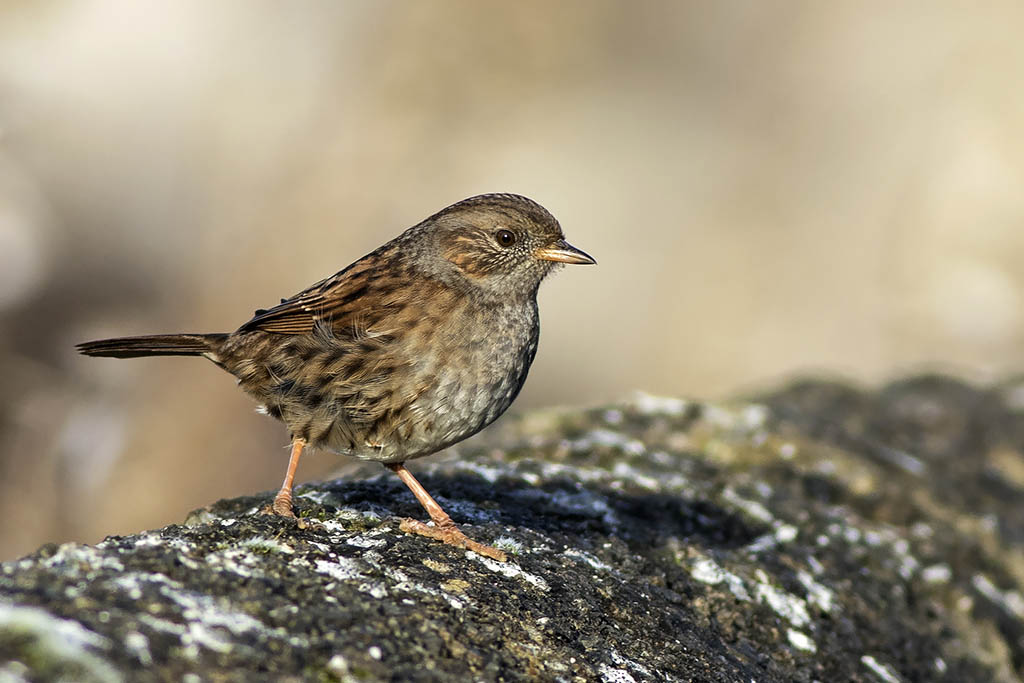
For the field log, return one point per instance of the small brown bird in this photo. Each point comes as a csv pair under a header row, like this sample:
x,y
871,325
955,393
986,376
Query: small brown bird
x,y
412,348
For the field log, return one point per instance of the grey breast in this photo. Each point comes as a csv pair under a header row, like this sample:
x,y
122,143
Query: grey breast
x,y
476,377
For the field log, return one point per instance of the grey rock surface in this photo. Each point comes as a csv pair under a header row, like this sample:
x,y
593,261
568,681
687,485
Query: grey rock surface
x,y
819,533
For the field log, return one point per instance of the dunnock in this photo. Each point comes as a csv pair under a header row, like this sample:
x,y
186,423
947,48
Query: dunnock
x,y
412,348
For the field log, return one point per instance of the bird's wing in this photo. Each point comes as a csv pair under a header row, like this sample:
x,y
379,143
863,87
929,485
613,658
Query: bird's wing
x,y
340,302
328,302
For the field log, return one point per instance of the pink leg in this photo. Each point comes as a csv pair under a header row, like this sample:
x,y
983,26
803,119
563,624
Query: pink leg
x,y
283,500
444,528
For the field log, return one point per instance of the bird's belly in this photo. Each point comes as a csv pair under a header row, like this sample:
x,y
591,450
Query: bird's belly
x,y
457,405
409,405
460,406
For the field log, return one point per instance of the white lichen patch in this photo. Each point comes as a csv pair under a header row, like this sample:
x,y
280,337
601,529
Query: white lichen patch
x,y
334,527
748,418
922,530
365,541
785,604
582,474
403,584
706,570
588,558
610,674
783,533
639,668
530,478
647,404
661,458
884,672
580,502
76,561
138,644
346,569
634,476
612,416
801,640
881,538
607,439
908,564
510,570
340,568
787,450
817,594
467,510
146,540
206,620
937,573
491,474
751,507
788,606
754,416
163,625
374,589
58,640
247,557
338,666
317,496
235,561
488,473
1010,601
182,548
905,461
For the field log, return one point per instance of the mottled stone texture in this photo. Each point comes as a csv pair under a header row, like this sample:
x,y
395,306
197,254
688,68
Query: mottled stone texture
x,y
822,532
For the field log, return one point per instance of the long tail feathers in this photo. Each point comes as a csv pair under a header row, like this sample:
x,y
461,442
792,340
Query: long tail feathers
x,y
153,345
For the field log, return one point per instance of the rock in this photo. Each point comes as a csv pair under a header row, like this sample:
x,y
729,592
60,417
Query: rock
x,y
820,533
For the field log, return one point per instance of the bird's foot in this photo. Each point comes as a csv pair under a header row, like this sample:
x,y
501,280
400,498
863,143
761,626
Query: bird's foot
x,y
282,506
288,513
451,535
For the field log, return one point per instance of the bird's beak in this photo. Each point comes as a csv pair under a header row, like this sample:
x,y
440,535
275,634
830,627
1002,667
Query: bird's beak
x,y
563,252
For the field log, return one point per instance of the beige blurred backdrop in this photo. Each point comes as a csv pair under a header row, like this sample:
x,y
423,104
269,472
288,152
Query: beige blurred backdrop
x,y
770,188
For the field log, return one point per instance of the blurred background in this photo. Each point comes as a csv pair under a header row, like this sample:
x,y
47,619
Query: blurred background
x,y
770,188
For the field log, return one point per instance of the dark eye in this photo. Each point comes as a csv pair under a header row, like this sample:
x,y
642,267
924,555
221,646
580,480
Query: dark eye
x,y
506,238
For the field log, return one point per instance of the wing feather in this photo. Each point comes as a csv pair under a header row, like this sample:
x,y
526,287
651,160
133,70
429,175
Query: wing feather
x,y
329,303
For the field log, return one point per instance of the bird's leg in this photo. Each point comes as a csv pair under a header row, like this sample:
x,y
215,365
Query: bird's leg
x,y
444,528
282,504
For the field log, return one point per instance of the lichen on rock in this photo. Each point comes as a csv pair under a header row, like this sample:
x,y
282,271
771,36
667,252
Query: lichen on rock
x,y
821,532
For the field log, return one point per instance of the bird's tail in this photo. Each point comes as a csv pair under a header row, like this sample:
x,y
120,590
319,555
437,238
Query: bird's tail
x,y
153,345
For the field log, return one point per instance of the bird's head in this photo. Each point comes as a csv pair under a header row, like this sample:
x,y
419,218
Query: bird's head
x,y
504,244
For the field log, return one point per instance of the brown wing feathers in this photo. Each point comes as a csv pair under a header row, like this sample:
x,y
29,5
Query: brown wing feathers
x,y
327,302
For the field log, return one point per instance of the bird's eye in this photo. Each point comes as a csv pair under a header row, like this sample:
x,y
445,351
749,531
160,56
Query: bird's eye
x,y
506,238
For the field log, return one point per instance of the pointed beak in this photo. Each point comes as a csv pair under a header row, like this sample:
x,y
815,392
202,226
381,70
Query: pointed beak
x,y
563,252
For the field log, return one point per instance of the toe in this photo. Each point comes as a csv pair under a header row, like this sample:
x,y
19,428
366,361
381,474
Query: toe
x,y
279,510
452,536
